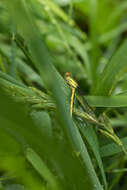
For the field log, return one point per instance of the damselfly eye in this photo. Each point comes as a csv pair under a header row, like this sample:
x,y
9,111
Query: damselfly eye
x,y
67,74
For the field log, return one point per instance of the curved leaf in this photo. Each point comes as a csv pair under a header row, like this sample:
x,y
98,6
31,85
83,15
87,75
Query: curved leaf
x,y
107,101
43,62
112,149
112,72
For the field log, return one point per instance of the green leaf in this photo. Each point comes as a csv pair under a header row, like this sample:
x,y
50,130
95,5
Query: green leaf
x,y
93,7
89,133
19,126
51,6
112,149
15,187
81,50
41,168
43,62
43,121
9,145
112,72
107,101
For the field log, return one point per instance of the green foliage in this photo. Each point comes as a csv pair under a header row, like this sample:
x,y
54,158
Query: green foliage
x,y
41,146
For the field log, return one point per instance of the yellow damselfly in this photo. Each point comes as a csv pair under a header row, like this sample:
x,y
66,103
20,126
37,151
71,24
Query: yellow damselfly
x,y
83,102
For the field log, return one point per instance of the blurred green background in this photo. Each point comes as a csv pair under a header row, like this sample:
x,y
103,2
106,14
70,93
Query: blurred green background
x,y
41,146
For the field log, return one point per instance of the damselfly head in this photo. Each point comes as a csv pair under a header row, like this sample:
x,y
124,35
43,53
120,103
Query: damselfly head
x,y
70,81
67,74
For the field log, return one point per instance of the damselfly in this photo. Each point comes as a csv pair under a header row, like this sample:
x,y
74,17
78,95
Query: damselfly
x,y
89,112
81,99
